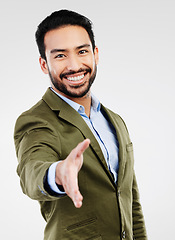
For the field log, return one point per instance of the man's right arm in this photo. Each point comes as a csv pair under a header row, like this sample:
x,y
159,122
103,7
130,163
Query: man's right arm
x,y
37,149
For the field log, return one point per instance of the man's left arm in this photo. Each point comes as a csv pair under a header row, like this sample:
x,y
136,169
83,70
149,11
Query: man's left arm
x,y
139,230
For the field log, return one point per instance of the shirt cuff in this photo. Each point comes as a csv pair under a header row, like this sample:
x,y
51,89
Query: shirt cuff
x,y
51,179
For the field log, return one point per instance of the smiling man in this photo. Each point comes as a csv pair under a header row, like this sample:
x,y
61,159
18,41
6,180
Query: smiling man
x,y
71,62
75,155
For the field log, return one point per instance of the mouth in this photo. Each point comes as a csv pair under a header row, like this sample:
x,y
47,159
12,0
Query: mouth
x,y
78,78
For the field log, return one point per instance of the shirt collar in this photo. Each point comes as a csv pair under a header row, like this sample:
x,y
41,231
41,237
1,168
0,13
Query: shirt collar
x,y
95,104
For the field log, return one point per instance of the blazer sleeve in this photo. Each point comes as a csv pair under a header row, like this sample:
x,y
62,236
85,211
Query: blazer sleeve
x,y
139,229
37,147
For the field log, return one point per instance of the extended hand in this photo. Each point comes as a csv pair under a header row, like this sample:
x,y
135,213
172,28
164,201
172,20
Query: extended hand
x,y
67,172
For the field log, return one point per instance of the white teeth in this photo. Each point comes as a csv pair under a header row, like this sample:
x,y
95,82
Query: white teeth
x,y
75,78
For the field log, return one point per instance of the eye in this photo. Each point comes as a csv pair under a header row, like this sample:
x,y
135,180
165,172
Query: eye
x,y
81,52
60,56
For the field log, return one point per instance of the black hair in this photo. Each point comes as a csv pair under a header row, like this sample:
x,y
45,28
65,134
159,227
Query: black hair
x,y
59,19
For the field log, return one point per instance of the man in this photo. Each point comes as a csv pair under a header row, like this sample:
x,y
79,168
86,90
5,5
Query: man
x,y
75,156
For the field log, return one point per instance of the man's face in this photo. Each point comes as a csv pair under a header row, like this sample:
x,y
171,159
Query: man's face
x,y
71,62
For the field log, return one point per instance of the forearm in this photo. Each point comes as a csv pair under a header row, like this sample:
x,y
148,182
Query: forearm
x,y
49,182
32,176
37,150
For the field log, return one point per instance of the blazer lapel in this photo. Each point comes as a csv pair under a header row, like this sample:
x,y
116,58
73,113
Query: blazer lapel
x,y
70,115
122,150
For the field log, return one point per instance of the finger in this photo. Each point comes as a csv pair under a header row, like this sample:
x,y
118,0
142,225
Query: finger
x,y
81,147
78,200
73,192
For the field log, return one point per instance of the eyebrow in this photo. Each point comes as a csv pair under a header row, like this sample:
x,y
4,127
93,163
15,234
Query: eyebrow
x,y
82,46
56,50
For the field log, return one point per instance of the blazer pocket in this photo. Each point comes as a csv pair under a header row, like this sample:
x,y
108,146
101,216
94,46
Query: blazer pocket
x,y
95,238
82,223
130,154
129,147
83,230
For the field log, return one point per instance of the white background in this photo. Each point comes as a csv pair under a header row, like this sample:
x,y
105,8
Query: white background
x,y
136,78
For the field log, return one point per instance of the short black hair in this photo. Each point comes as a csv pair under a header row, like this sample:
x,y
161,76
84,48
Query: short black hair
x,y
59,19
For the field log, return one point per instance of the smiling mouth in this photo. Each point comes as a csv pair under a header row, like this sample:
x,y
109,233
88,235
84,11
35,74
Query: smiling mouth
x,y
76,78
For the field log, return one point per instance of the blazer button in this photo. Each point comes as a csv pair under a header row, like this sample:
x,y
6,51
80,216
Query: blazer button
x,y
123,235
119,192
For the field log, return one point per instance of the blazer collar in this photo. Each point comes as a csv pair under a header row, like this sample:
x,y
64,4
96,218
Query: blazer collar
x,y
66,112
69,114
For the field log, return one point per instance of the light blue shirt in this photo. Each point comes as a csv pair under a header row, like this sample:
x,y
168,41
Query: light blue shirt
x,y
103,132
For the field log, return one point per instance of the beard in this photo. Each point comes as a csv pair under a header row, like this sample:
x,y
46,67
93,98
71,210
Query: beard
x,y
61,87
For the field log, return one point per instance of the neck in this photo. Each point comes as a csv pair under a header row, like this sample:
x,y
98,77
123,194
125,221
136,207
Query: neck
x,y
85,101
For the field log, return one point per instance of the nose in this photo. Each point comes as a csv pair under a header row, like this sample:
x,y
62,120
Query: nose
x,y
73,63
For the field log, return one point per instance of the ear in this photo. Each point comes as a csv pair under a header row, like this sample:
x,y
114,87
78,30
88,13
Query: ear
x,y
43,65
96,55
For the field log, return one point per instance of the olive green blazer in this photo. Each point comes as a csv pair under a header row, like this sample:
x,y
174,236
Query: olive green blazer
x,y
47,133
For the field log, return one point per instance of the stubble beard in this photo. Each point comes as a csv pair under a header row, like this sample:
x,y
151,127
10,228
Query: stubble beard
x,y
61,87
